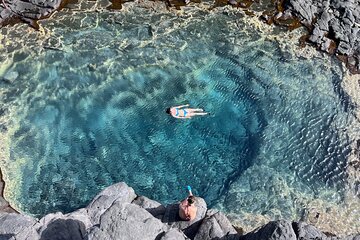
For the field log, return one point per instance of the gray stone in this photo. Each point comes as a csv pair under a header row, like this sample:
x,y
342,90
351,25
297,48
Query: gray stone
x,y
59,229
32,9
216,226
35,9
60,226
13,223
276,230
324,21
306,231
349,18
153,207
117,192
232,2
352,237
80,215
344,48
172,218
325,45
173,234
337,20
127,221
317,35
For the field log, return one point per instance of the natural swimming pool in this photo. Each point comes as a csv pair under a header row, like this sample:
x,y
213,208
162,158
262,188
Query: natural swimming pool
x,y
88,110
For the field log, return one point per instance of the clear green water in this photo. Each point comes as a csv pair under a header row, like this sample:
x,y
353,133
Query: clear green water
x,y
92,113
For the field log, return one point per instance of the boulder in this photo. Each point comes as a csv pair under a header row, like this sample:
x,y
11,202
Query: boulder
x,y
80,215
275,230
59,229
34,9
352,237
102,201
172,218
173,234
153,207
60,226
335,26
306,231
216,226
18,226
127,221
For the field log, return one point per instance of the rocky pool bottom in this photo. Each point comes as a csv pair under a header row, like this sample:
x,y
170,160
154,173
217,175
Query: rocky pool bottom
x,y
82,114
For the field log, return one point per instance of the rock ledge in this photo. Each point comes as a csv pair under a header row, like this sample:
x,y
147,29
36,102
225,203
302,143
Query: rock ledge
x,y
118,213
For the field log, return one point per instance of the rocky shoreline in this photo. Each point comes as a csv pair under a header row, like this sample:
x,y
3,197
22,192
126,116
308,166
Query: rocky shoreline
x,y
4,205
333,26
320,20
118,213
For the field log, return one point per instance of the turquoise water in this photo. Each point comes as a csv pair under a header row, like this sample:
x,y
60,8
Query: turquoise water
x,y
90,112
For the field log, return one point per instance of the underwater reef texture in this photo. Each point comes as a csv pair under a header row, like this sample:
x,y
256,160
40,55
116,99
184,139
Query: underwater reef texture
x,y
118,213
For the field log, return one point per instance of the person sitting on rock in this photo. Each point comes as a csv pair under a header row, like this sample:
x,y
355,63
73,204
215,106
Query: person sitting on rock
x,y
187,208
181,112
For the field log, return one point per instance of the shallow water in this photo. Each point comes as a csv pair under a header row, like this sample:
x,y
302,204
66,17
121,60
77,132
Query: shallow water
x,y
89,111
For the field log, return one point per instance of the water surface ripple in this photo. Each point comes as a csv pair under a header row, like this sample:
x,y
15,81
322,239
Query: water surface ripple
x,y
89,111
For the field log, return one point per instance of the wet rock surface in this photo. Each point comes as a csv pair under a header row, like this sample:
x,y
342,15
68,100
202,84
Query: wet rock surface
x,y
27,11
4,205
334,27
120,214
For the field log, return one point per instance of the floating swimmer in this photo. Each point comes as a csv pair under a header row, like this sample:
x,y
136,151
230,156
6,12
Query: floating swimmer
x,y
182,112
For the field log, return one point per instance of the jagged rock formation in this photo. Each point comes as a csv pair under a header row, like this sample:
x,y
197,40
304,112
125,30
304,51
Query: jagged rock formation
x,y
4,205
29,10
118,213
334,27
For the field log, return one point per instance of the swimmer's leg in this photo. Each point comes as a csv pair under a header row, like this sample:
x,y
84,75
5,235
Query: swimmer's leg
x,y
201,113
196,109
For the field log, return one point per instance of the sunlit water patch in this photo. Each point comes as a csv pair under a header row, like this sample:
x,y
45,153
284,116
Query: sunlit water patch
x,y
90,112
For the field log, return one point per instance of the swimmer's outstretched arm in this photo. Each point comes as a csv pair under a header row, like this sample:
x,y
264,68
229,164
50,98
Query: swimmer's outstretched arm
x,y
180,106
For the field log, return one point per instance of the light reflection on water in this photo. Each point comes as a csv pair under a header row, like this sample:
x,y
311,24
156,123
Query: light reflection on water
x,y
92,114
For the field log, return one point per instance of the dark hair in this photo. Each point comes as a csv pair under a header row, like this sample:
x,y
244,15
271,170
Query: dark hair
x,y
168,111
191,200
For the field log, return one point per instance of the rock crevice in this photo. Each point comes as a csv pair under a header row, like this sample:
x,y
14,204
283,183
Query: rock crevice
x,y
334,27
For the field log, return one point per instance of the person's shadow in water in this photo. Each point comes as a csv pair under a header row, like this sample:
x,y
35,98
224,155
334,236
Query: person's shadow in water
x,y
64,229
